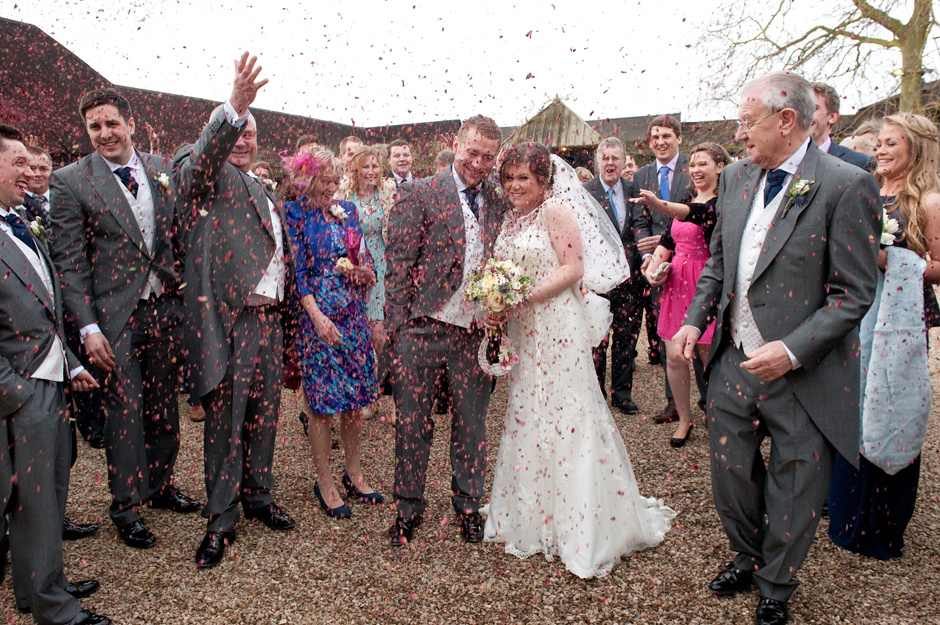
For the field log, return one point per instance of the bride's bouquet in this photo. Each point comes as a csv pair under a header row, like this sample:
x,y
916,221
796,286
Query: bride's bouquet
x,y
497,287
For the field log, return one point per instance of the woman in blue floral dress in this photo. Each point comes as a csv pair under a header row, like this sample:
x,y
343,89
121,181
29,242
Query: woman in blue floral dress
x,y
334,275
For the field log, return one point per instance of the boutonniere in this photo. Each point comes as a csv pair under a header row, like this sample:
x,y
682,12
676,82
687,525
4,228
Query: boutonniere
x,y
271,185
164,180
338,211
38,229
797,194
889,228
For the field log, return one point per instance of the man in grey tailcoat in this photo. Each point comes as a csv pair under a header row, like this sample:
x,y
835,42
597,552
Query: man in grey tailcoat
x,y
441,230
35,440
237,281
793,271
113,216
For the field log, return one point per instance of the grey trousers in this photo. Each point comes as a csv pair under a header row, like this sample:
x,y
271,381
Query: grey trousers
x,y
789,490
35,460
241,420
422,349
142,433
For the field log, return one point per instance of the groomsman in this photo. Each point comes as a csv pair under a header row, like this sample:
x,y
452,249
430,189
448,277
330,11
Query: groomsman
x,y
787,298
825,117
613,193
113,218
35,442
629,167
37,198
401,161
236,284
667,177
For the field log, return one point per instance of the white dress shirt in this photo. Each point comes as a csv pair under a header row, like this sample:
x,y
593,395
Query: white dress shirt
x,y
824,146
744,330
619,207
457,310
53,366
399,179
671,174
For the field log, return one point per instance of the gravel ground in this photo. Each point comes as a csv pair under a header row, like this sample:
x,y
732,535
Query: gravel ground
x,y
328,571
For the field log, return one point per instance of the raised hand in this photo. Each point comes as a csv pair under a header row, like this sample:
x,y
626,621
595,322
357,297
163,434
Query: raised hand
x,y
246,85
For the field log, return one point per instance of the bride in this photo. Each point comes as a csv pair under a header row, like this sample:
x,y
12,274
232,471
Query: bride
x,y
564,485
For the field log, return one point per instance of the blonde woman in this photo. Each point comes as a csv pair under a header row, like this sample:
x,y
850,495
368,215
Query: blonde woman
x,y
868,508
373,195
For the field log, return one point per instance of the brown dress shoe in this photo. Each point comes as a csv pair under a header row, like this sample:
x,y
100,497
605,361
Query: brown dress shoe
x,y
668,415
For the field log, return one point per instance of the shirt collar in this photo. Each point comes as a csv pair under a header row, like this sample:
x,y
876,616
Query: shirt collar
x,y
616,187
133,163
791,164
671,164
400,179
460,184
825,145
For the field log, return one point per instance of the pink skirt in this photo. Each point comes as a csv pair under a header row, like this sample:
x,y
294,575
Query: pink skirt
x,y
678,291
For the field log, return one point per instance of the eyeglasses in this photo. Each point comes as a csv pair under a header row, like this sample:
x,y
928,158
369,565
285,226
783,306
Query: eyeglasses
x,y
746,126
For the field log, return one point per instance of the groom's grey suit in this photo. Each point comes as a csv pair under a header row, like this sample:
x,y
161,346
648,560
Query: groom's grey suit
x,y
813,281
35,440
425,256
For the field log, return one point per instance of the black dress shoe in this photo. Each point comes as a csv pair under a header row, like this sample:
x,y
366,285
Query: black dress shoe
x,y
272,516
80,590
96,440
89,618
770,612
471,527
212,549
401,532
626,406
731,580
75,531
668,415
136,534
172,499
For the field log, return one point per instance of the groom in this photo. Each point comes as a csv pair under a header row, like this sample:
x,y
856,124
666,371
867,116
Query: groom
x,y
793,271
441,230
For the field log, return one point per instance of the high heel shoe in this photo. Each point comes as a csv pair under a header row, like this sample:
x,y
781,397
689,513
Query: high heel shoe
x,y
361,497
339,512
680,442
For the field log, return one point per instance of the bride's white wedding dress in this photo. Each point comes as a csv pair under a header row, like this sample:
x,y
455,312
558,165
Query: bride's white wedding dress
x,y
564,485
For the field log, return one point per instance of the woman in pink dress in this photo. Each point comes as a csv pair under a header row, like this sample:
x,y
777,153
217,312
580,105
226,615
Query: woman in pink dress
x,y
686,244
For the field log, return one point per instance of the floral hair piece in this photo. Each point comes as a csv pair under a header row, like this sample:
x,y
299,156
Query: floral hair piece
x,y
303,164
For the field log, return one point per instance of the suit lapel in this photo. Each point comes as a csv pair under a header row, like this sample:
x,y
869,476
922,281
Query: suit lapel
x,y
162,213
782,227
452,208
109,191
260,200
735,214
16,260
597,190
681,181
492,222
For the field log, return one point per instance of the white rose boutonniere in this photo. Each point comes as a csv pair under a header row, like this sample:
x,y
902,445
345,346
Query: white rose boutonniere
x,y
339,212
38,229
889,228
164,180
798,193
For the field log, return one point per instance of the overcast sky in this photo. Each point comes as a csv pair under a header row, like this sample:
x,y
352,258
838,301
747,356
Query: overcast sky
x,y
376,62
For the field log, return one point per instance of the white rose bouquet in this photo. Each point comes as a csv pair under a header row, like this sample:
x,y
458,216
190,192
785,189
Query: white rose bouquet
x,y
889,228
497,287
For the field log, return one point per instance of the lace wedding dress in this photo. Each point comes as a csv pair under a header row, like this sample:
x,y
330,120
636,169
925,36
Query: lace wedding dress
x,y
564,485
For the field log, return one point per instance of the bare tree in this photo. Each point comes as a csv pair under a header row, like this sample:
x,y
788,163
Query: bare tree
x,y
858,40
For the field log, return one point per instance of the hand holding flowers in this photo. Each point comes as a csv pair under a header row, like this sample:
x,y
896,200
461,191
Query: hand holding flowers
x,y
497,288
